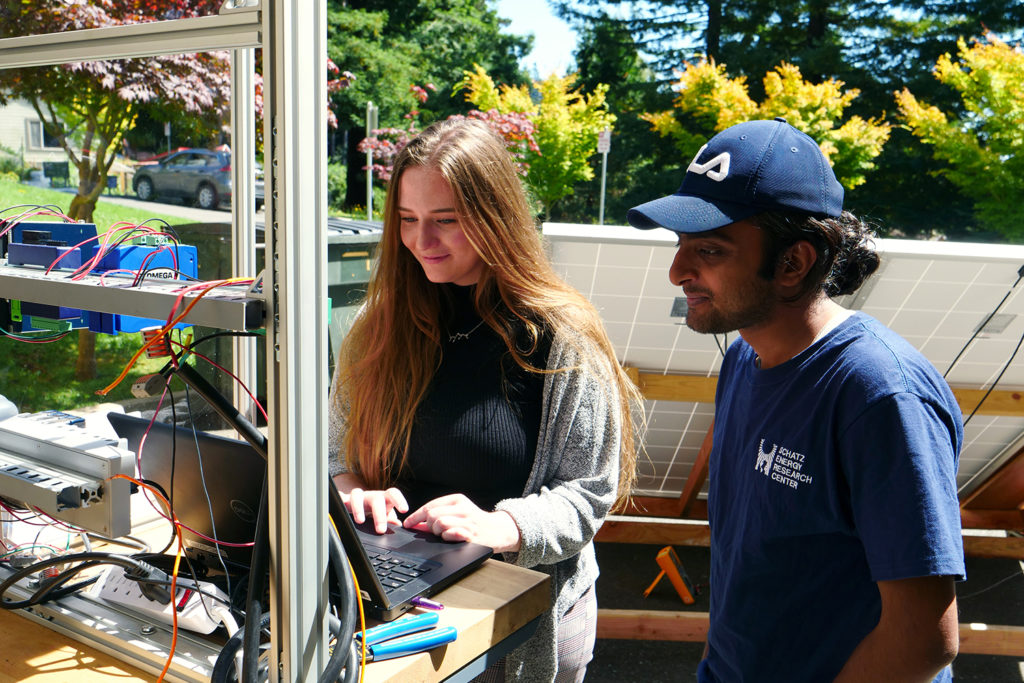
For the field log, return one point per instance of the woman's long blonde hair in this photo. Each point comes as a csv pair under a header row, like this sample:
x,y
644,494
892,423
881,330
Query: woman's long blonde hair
x,y
389,356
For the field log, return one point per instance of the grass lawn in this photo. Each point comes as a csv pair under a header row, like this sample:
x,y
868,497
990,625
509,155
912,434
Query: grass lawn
x,y
107,213
42,376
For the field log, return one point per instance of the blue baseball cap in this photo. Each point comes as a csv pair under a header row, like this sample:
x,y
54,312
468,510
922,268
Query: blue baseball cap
x,y
747,169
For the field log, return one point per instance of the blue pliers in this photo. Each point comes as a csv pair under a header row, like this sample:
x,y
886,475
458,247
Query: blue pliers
x,y
405,636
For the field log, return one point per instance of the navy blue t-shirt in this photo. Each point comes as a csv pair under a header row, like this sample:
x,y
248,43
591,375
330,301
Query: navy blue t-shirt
x,y
829,472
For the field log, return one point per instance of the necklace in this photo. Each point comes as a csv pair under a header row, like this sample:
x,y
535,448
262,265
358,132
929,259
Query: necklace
x,y
458,336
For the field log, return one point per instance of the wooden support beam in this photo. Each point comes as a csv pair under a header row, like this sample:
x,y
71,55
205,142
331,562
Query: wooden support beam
x,y
989,639
994,546
692,627
698,474
992,519
639,624
695,388
653,530
701,389
689,532
1007,403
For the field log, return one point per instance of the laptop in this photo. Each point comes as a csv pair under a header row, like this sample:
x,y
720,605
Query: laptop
x,y
230,471
392,568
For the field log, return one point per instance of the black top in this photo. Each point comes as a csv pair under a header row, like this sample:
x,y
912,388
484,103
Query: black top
x,y
476,429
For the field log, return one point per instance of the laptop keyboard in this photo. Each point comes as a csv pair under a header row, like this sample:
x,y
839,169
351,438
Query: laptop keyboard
x,y
395,569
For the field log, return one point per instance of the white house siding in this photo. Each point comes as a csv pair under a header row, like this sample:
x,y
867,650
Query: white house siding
x,y
14,129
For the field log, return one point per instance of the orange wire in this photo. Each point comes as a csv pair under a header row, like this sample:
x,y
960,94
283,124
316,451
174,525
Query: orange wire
x,y
165,329
362,615
174,572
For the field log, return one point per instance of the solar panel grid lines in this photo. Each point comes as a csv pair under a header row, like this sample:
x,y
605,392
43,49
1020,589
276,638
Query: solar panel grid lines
x,y
935,294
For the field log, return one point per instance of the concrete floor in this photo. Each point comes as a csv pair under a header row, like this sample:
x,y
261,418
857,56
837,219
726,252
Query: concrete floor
x,y
993,593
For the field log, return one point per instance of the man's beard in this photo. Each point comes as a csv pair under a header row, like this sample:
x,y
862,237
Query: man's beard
x,y
748,306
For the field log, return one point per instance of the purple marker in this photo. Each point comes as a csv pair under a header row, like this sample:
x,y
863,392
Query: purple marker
x,y
426,604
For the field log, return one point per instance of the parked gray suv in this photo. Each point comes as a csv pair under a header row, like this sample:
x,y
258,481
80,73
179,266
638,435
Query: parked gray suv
x,y
199,175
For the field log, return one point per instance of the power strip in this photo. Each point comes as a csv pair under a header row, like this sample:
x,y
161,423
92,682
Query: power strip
x,y
115,587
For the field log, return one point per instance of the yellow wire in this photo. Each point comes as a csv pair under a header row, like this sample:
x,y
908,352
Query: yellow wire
x,y
362,615
174,572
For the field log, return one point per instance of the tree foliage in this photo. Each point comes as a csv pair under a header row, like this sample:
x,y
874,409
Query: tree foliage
x,y
88,106
566,122
983,144
384,144
709,100
389,44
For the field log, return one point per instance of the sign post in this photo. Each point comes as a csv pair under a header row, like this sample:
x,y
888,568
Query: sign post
x,y
371,125
604,143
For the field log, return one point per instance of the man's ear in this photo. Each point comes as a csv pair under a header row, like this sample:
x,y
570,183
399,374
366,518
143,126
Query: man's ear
x,y
795,263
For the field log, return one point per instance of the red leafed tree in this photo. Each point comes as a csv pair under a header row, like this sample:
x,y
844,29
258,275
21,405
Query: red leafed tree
x,y
88,106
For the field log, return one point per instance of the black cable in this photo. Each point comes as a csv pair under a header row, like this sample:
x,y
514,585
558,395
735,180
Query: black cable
x,y
261,543
90,559
343,657
206,492
224,665
257,580
719,345
1020,275
998,377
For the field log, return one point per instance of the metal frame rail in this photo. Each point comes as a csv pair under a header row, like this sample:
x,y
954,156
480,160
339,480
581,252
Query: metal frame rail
x,y
292,35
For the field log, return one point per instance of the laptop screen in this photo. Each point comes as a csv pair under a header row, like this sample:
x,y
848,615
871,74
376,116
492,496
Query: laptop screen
x,y
213,483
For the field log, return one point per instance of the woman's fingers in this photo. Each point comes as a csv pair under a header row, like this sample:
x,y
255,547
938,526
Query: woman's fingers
x,y
383,507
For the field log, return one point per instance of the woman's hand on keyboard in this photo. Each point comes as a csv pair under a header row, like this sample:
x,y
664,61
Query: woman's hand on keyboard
x,y
383,506
456,518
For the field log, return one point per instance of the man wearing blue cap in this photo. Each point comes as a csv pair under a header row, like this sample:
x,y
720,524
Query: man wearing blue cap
x,y
835,527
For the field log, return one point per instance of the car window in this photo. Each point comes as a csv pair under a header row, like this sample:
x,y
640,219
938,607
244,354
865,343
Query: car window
x,y
179,160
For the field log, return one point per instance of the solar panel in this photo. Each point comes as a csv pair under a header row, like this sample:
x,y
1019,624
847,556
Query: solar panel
x,y
936,294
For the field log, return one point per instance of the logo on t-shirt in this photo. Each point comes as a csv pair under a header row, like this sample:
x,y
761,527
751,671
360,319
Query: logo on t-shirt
x,y
782,465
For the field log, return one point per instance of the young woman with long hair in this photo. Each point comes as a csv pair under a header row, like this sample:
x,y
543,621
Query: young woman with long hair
x,y
478,392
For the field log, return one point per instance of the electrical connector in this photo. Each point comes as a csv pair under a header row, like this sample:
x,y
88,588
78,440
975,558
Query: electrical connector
x,y
145,576
201,613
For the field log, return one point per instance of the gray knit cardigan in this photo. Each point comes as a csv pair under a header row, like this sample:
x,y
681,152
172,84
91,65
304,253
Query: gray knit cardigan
x,y
569,491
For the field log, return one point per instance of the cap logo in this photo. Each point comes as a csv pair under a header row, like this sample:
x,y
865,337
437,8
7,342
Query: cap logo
x,y
716,169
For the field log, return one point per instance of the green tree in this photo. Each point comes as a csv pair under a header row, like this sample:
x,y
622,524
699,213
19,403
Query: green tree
x,y
872,46
981,145
391,44
709,100
639,165
565,121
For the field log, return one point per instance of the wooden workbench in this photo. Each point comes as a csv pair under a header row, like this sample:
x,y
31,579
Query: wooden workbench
x,y
486,607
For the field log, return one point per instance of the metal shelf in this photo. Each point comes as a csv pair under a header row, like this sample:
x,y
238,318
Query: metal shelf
x,y
292,35
229,307
234,28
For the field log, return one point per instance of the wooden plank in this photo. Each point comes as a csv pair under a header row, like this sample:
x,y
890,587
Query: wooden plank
x,y
994,546
32,652
991,519
639,624
701,389
696,388
1006,403
1002,490
988,639
698,474
621,529
653,506
690,532
692,627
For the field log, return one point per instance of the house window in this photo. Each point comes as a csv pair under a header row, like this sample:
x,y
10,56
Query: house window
x,y
38,138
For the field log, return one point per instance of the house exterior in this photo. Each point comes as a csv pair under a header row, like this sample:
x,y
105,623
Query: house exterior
x,y
22,134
